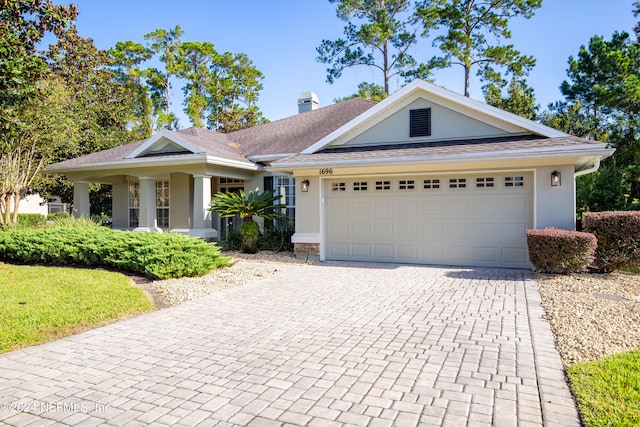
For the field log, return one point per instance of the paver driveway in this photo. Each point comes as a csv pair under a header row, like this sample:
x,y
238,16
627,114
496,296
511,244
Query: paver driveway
x,y
331,344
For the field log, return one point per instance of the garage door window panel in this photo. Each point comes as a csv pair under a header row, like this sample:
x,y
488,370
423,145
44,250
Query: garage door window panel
x,y
514,181
457,183
431,184
485,182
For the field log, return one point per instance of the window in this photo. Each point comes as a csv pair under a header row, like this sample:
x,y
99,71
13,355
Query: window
x,y
231,181
162,204
383,185
134,204
360,186
338,186
457,183
514,181
406,185
430,184
285,186
484,182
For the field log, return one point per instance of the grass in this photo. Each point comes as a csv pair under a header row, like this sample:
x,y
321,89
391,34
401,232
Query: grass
x,y
608,390
40,304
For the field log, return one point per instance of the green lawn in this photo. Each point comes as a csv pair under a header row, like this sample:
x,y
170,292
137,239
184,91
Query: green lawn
x,y
40,304
608,390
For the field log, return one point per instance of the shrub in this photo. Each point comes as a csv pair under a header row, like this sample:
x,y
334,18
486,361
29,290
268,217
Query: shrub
x,y
232,240
156,255
58,215
277,238
566,251
618,236
30,220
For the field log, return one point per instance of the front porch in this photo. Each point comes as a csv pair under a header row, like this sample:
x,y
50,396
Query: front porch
x,y
176,202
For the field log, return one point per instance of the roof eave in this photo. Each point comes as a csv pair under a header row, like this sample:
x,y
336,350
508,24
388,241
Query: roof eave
x,y
595,152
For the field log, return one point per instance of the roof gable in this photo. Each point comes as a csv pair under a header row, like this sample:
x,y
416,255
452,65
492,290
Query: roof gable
x,y
164,142
463,117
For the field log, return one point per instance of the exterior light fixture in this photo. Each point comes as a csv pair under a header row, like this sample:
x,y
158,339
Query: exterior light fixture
x,y
305,185
556,179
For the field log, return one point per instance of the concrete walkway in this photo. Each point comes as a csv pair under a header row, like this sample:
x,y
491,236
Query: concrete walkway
x,y
331,344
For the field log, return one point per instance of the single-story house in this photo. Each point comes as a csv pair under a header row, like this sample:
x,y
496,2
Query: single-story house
x,y
426,176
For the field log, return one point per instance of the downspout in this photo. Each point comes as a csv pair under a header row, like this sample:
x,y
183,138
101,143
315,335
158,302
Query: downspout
x,y
595,167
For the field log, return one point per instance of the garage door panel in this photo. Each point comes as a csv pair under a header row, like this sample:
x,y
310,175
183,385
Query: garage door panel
x,y
486,254
361,207
384,251
383,230
382,207
475,225
361,250
361,230
407,207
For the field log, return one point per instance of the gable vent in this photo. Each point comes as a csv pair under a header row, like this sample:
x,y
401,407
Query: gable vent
x,y
420,122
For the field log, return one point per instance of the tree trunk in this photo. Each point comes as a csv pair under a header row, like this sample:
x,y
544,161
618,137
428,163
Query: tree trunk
x,y
467,78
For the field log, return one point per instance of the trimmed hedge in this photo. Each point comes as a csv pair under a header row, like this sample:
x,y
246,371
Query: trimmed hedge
x,y
30,220
156,255
618,236
553,250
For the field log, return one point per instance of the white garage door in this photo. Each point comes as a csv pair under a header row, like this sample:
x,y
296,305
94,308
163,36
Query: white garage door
x,y
472,220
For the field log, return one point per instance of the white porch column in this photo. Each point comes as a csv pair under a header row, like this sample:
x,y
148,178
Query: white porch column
x,y
201,225
147,220
81,199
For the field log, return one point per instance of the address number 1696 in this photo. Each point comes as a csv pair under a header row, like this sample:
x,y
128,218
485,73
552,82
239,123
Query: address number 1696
x,y
326,171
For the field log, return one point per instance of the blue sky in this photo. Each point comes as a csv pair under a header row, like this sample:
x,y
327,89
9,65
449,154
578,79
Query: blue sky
x,y
280,36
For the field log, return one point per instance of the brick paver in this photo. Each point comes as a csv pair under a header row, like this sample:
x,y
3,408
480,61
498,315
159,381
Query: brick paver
x,y
329,344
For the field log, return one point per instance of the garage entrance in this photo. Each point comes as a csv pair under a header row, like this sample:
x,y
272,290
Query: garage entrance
x,y
471,220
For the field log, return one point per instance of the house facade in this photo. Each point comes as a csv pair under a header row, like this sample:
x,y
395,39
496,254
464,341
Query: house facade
x,y
426,176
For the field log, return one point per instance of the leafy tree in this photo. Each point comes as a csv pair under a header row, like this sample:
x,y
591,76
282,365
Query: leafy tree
x,y
366,90
127,59
193,64
233,92
166,44
469,24
381,39
520,98
23,25
247,206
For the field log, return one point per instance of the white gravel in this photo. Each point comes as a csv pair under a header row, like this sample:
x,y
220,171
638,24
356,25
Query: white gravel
x,y
592,315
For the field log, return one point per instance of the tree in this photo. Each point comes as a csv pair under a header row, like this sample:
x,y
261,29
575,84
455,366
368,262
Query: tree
x,y
23,24
468,23
519,99
366,90
247,206
382,40
166,44
192,64
127,59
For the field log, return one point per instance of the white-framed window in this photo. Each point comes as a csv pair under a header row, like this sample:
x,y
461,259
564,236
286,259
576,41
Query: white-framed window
x,y
383,185
431,184
406,184
134,204
285,186
514,181
360,186
338,186
162,204
457,183
485,182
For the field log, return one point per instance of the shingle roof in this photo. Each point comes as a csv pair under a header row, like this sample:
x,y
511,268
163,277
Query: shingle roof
x,y
434,150
285,136
295,133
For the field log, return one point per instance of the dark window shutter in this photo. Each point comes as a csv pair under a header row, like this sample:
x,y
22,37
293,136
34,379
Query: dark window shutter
x,y
420,123
268,183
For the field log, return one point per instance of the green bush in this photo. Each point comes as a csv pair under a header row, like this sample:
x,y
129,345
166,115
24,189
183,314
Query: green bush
x,y
30,220
58,215
618,236
156,255
277,238
553,250
232,240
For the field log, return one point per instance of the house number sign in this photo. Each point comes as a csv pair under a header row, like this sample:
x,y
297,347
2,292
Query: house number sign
x,y
326,171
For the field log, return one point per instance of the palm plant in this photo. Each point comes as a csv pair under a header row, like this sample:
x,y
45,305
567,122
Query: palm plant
x,y
247,206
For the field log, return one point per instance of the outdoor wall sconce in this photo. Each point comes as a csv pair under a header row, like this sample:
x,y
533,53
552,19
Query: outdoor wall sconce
x,y
305,185
556,179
